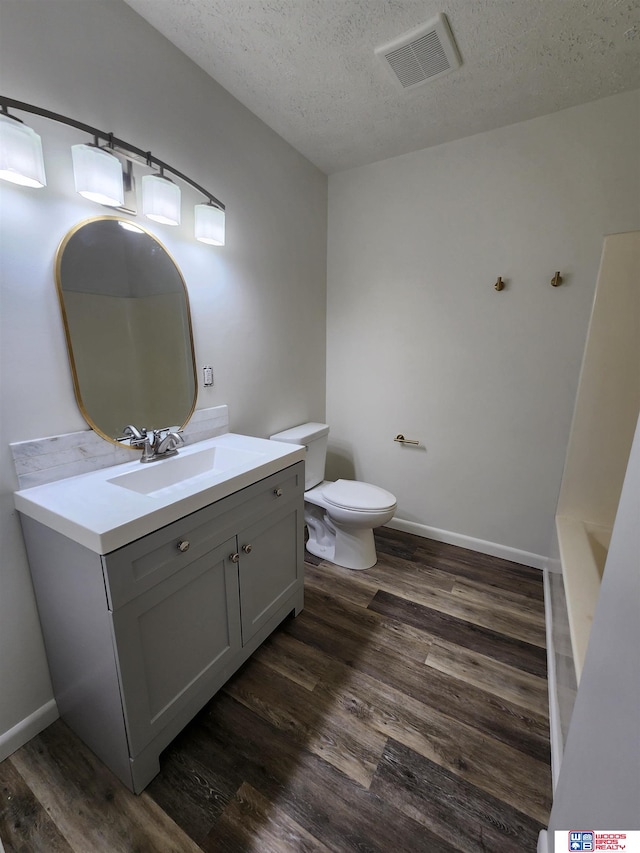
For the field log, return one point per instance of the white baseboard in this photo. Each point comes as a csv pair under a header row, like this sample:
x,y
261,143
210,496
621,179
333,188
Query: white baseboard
x,y
28,728
494,549
543,846
555,730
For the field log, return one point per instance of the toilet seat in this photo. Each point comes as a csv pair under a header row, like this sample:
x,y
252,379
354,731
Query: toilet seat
x,y
362,497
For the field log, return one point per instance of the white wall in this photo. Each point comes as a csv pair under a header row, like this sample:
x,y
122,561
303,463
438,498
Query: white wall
x,y
608,398
599,783
258,305
419,342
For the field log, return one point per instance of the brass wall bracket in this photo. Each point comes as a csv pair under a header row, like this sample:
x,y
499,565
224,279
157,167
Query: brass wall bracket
x,y
404,440
499,285
556,281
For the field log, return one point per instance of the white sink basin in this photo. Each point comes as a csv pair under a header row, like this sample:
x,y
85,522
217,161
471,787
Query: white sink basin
x,y
110,507
158,478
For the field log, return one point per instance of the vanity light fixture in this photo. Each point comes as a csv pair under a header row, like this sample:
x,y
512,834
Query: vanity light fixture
x,y
161,199
98,172
209,224
98,175
21,160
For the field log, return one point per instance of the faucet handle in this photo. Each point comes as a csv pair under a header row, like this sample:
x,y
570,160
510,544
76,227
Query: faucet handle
x,y
130,431
137,437
174,439
173,431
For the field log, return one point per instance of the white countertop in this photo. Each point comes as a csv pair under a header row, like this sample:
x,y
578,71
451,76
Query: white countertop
x,y
103,516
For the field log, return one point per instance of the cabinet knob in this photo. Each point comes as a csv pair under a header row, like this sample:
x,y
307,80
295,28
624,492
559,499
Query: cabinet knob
x,y
247,549
183,545
235,558
277,493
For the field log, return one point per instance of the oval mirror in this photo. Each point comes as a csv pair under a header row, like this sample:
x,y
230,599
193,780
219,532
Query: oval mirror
x,y
126,316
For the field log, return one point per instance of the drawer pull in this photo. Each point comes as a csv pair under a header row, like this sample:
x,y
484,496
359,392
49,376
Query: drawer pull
x,y
247,549
277,493
183,545
235,558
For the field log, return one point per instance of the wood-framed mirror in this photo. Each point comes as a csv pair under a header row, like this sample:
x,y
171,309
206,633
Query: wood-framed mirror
x,y
127,322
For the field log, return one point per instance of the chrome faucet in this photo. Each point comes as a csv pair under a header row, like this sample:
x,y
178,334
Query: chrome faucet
x,y
155,444
169,443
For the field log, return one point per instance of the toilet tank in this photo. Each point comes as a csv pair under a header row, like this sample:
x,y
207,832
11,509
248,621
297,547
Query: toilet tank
x,y
314,437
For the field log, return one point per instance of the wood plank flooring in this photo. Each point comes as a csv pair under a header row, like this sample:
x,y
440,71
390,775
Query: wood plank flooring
x,y
405,709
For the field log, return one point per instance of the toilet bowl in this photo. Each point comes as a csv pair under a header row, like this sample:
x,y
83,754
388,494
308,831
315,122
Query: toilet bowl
x,y
341,518
342,515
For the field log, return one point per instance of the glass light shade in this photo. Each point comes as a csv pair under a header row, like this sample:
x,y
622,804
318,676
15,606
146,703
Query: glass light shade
x,y
161,200
21,160
98,175
209,224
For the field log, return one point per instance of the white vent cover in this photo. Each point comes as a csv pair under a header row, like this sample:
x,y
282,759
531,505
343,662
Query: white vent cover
x,y
421,54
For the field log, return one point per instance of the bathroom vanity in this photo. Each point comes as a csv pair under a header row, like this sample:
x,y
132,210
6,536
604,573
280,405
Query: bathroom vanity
x,y
155,583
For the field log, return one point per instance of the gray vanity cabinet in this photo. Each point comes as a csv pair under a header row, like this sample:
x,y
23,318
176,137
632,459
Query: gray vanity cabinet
x,y
138,640
174,639
268,567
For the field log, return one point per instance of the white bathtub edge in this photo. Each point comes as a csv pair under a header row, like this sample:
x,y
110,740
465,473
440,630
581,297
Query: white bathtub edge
x,y
581,583
555,730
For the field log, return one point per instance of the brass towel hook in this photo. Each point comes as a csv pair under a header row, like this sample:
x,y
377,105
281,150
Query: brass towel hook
x,y
556,281
404,440
499,285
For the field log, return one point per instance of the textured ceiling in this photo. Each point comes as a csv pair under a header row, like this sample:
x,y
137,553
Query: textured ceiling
x,y
308,68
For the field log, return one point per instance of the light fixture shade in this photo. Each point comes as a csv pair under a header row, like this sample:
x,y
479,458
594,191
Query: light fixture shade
x,y
98,175
209,224
21,160
161,200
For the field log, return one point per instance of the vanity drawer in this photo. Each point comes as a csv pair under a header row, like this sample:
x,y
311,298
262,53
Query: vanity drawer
x,y
139,566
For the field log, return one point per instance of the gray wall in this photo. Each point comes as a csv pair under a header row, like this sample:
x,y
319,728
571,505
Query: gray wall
x,y
419,342
258,305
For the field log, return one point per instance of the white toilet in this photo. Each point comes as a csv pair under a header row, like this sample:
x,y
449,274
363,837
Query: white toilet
x,y
340,516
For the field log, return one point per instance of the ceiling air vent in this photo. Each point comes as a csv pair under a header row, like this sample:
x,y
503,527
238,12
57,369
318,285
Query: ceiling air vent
x,y
421,54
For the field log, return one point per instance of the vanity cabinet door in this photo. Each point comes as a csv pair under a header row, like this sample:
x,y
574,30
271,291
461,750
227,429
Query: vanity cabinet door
x,y
173,641
271,559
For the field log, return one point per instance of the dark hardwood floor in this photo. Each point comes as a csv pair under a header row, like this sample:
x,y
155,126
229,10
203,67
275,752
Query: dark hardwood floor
x,y
405,709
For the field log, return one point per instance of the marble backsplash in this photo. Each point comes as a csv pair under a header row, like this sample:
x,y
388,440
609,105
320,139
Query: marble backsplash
x,y
44,460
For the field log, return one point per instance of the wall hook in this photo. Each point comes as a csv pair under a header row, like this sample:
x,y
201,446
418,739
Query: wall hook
x,y
556,281
499,285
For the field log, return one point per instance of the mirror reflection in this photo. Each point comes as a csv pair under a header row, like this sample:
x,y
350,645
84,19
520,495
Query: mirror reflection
x,y
128,327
